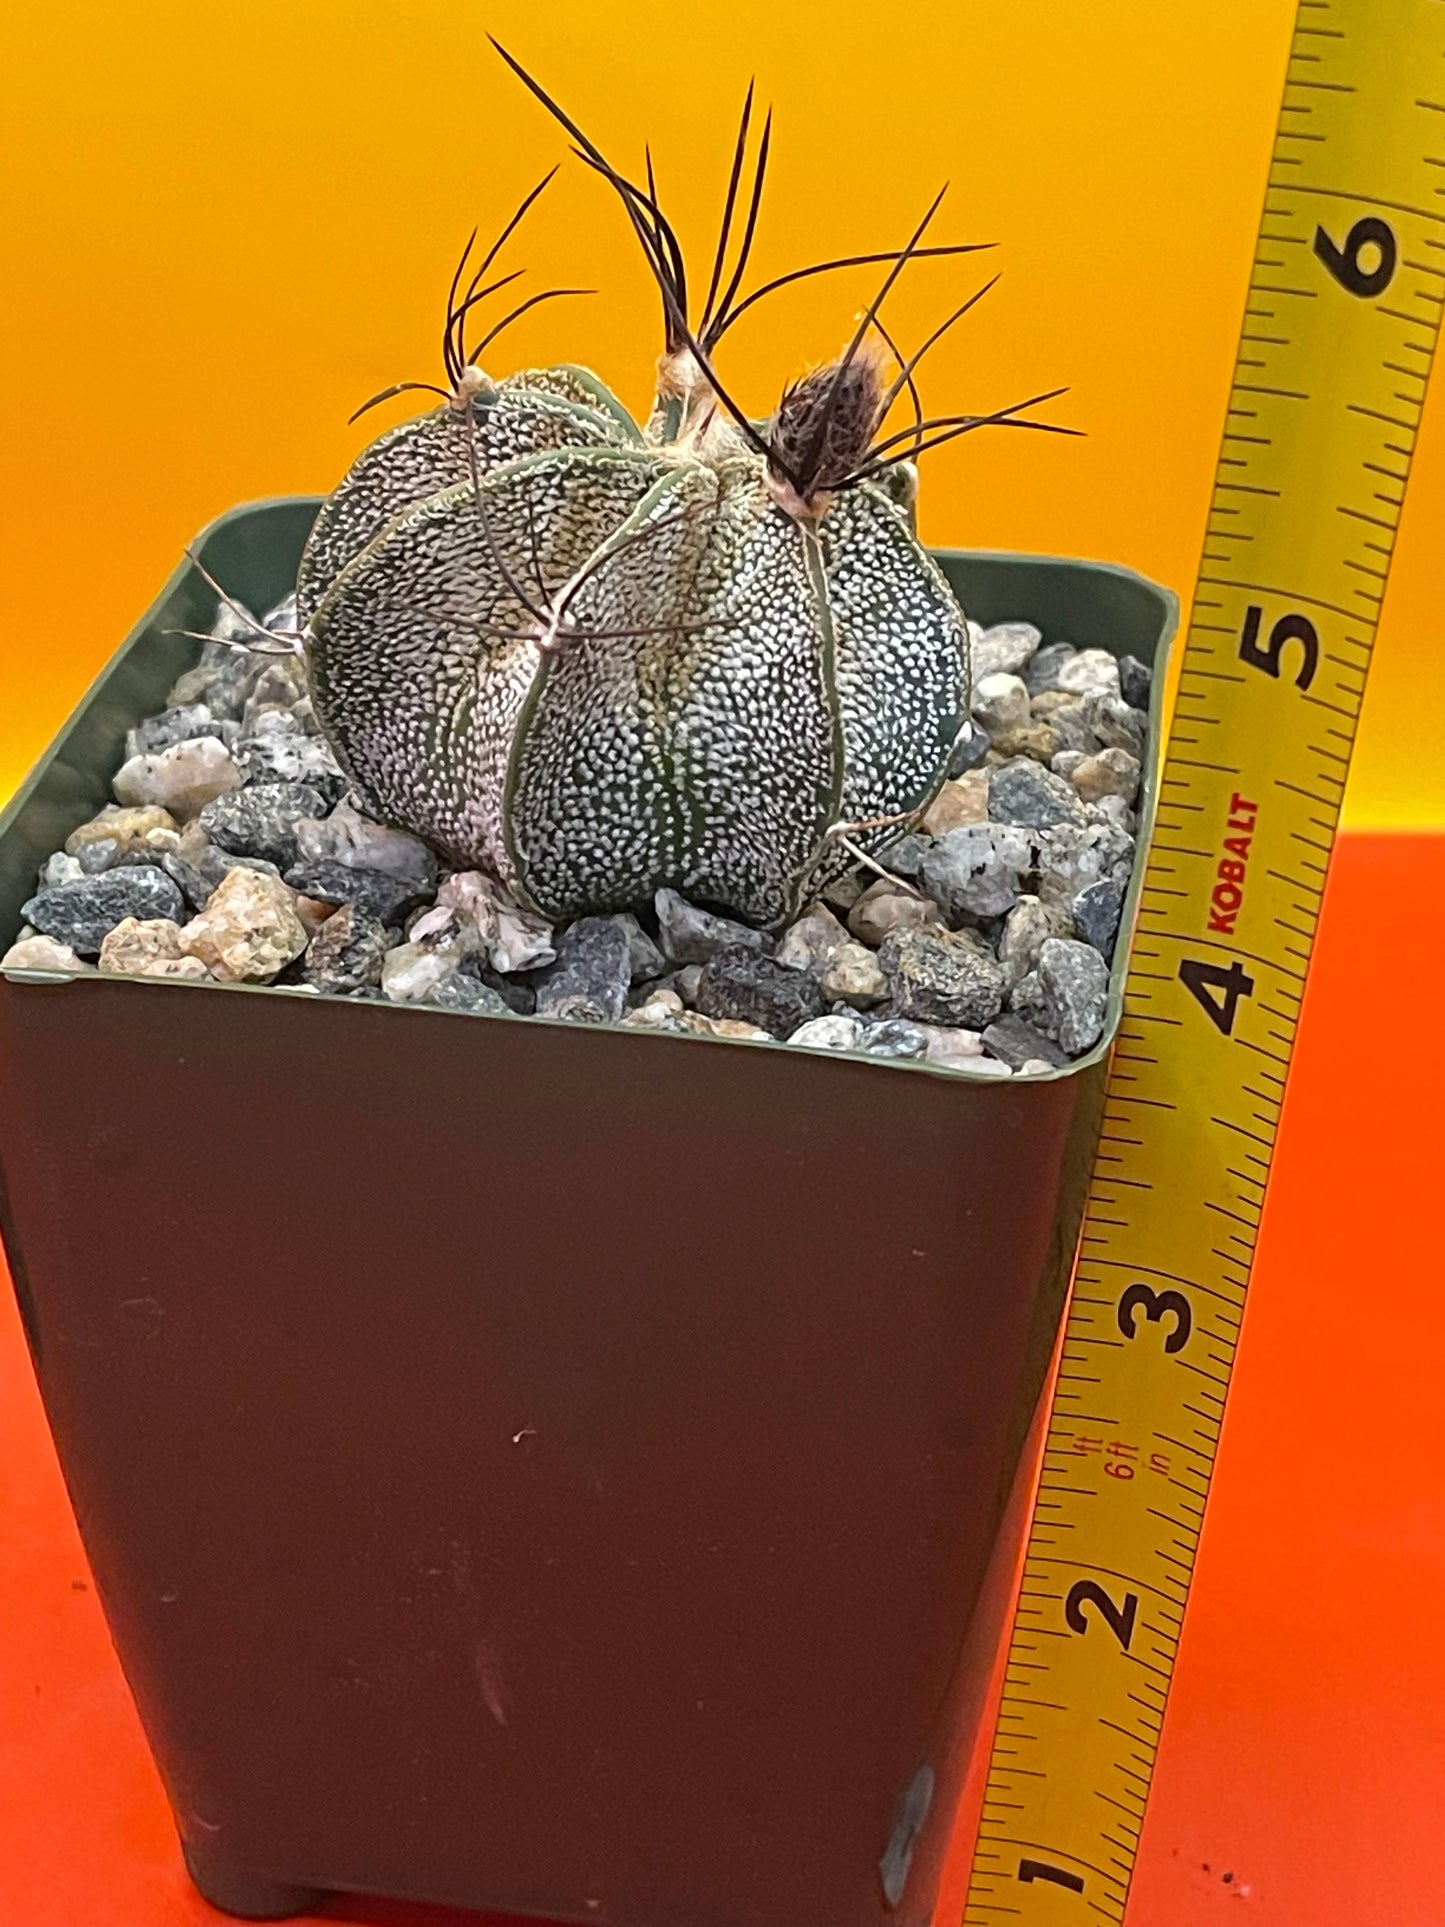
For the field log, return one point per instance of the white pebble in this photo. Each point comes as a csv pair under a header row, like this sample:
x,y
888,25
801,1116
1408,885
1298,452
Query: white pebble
x,y
411,972
1001,703
1092,672
950,1046
40,953
181,779
828,1033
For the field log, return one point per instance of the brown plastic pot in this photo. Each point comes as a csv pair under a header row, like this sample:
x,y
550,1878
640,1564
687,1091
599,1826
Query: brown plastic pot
x,y
531,1466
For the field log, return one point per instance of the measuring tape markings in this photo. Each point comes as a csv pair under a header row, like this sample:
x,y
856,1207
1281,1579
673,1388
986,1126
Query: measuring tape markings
x,y
1345,296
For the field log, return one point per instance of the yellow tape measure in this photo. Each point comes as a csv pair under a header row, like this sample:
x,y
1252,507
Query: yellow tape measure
x,y
1344,308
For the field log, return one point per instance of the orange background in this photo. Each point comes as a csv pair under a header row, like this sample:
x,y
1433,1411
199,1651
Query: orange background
x,y
226,225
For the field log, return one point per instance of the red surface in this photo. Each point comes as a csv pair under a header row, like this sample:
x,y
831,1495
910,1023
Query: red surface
x,y
1302,1777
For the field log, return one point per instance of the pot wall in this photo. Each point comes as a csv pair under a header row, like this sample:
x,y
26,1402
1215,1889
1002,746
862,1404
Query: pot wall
x,y
531,1466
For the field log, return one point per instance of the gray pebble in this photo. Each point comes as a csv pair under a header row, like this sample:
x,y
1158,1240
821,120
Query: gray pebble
x,y
519,997
1024,793
261,821
346,952
1066,996
1029,924
283,616
1117,725
943,977
1115,812
375,893
97,855
645,960
462,991
969,749
1002,650
1017,1043
1070,723
280,684
808,943
690,935
753,989
975,870
1096,912
1069,858
894,1037
1135,681
906,855
685,982
290,759
84,911
844,891
1042,672
351,837
177,725
589,981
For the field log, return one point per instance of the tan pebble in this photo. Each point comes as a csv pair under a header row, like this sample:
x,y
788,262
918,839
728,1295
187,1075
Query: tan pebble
x,y
812,939
701,1026
668,999
963,801
131,828
40,953
1033,1066
312,913
653,1015
853,975
1048,701
883,909
144,947
1039,740
843,894
248,930
1113,772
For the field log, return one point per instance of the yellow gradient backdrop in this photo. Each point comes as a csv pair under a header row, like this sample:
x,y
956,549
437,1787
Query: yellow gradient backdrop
x,y
227,224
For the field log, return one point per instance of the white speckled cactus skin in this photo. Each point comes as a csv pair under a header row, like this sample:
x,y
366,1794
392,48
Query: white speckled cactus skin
x,y
703,689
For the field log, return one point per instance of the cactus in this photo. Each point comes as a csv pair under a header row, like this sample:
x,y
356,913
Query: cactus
x,y
595,660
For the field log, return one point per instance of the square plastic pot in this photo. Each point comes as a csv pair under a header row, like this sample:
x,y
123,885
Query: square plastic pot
x,y
531,1466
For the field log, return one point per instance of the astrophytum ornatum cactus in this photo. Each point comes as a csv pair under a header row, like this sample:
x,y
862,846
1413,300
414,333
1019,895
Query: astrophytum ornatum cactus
x,y
595,661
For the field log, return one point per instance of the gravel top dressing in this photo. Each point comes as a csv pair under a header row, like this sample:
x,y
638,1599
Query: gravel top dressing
x,y
979,942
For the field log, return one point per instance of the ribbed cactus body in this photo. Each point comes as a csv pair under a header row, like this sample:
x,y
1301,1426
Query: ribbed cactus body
x,y
534,409
615,666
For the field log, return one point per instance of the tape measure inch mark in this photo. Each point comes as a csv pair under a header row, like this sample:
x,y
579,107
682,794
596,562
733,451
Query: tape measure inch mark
x,y
1344,308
